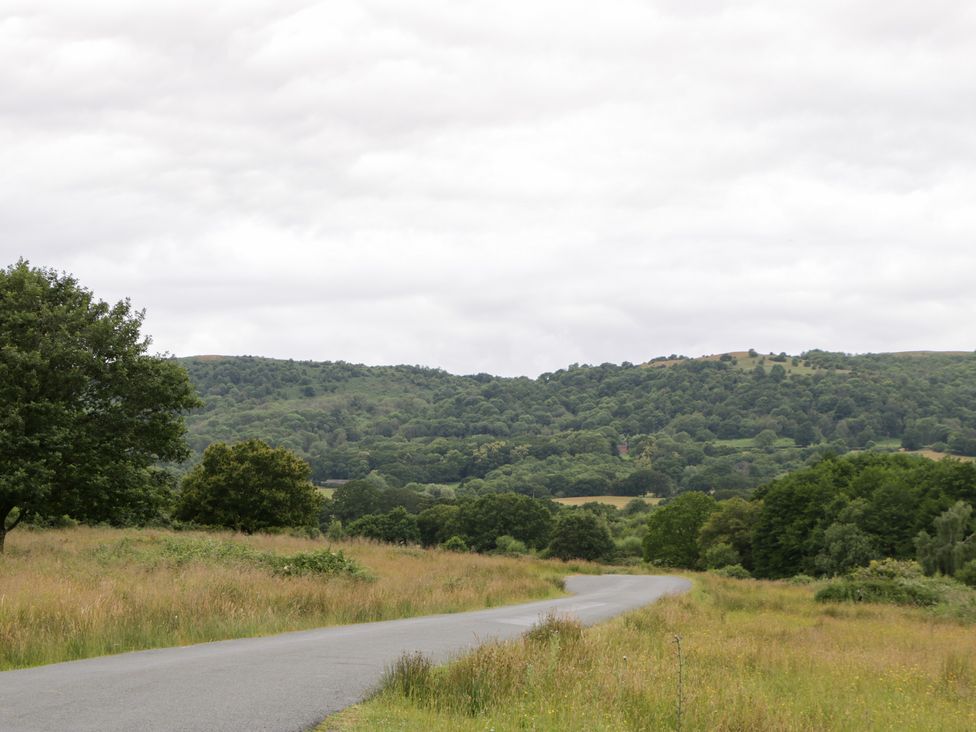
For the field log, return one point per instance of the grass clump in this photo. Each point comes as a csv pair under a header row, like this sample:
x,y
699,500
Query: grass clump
x,y
757,656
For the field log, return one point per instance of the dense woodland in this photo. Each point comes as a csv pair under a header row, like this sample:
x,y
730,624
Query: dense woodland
x,y
725,424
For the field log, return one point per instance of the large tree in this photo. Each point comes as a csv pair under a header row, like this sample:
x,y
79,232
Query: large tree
x,y
85,413
672,530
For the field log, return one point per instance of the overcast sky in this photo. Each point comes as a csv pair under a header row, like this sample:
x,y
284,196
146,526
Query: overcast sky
x,y
500,186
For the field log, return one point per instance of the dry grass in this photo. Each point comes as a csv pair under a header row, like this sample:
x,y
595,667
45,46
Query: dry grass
x,y
85,592
757,656
615,501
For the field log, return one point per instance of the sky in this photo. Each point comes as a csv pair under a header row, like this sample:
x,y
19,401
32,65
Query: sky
x,y
506,186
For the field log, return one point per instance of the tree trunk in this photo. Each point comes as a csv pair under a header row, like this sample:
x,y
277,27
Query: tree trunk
x,y
4,513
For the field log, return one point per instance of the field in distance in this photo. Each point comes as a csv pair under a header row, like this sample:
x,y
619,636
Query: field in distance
x,y
615,501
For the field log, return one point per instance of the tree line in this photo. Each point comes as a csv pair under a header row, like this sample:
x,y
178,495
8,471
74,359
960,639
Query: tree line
x,y
826,519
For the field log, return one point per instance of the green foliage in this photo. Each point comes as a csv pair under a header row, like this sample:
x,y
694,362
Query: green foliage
x,y
896,592
845,546
394,527
580,534
85,414
249,487
734,571
967,573
690,425
844,511
509,545
629,547
733,524
672,530
455,544
322,562
488,517
438,523
720,555
888,581
954,542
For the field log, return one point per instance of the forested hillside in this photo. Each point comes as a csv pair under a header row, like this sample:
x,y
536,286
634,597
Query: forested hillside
x,y
728,423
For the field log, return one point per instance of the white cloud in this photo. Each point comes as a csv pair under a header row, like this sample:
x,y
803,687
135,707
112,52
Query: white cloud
x,y
505,187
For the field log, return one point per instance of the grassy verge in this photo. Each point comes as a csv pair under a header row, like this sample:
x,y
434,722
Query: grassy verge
x,y
756,656
84,592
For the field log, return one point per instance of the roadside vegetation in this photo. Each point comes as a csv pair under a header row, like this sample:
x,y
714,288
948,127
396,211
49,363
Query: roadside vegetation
x,y
755,655
80,592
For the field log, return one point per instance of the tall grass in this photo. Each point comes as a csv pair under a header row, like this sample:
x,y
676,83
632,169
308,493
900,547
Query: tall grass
x,y
83,592
756,656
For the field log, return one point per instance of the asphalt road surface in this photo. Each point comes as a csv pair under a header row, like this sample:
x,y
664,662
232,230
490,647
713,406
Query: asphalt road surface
x,y
283,682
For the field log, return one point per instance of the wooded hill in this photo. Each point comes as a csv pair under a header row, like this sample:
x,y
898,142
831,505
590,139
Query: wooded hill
x,y
729,422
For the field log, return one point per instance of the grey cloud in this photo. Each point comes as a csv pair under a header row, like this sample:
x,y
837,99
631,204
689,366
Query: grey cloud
x,y
503,187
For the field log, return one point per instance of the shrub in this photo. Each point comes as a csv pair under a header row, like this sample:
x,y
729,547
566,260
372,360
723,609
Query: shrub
x,y
506,544
889,569
455,544
734,571
721,555
629,546
920,592
967,573
324,561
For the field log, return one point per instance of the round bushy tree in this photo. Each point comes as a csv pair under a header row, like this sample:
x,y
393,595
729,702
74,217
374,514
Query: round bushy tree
x,y
249,486
580,535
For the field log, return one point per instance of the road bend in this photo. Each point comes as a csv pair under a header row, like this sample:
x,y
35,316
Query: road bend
x,y
285,682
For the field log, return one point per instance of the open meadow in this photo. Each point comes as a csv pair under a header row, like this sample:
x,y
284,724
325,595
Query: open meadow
x,y
754,656
75,593
615,501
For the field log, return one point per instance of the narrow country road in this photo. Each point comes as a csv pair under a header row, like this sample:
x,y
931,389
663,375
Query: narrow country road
x,y
283,682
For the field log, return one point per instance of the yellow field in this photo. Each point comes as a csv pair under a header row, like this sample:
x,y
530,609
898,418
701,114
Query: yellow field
x,y
933,455
83,592
755,656
616,501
